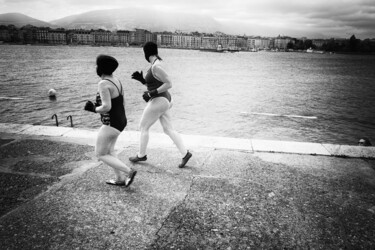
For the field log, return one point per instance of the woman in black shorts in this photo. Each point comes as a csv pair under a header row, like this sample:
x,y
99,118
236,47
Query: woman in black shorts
x,y
159,103
110,104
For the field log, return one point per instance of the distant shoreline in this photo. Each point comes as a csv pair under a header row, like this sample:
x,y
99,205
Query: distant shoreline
x,y
165,47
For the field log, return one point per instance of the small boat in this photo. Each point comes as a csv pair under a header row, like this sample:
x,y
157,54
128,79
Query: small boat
x,y
310,50
218,49
233,50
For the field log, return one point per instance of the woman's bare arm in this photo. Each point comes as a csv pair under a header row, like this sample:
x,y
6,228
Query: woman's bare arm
x,y
105,95
162,76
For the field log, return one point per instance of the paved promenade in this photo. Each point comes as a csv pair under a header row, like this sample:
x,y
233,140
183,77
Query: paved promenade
x,y
233,194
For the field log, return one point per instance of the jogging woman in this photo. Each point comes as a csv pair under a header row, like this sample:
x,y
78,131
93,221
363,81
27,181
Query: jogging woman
x,y
159,103
110,104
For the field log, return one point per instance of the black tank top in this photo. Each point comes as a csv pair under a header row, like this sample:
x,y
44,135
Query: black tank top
x,y
116,117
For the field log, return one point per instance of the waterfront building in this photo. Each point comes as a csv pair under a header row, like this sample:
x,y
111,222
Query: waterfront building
x,y
164,39
224,41
159,40
149,37
84,37
102,37
186,41
125,37
209,42
196,42
258,43
251,43
180,40
115,40
235,43
56,37
132,37
142,36
42,35
265,44
241,43
176,41
282,42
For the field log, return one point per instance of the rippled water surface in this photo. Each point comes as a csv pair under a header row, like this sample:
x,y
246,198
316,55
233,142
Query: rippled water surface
x,y
281,96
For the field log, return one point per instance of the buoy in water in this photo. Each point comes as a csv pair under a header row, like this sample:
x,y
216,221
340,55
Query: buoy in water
x,y
52,93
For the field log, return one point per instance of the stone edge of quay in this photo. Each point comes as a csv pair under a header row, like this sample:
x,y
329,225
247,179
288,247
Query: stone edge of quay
x,y
198,141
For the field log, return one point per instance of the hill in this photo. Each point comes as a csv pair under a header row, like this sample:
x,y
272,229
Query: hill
x,y
130,18
19,20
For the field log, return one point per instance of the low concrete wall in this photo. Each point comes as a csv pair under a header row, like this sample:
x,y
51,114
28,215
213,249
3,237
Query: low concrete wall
x,y
127,138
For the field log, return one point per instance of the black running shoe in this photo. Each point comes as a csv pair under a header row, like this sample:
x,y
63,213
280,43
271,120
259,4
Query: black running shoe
x,y
129,180
115,182
136,158
185,159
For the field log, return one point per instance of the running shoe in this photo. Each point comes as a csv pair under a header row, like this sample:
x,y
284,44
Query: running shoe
x,y
136,158
185,159
129,180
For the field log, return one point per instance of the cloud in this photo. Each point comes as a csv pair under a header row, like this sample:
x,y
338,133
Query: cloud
x,y
318,16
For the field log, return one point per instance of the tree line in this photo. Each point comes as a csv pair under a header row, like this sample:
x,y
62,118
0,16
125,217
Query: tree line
x,y
351,45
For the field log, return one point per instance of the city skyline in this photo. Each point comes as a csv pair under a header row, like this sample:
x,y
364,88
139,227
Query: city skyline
x,y
317,19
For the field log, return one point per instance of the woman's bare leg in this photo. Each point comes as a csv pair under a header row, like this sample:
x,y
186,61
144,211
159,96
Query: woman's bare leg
x,y
154,109
118,173
166,123
104,149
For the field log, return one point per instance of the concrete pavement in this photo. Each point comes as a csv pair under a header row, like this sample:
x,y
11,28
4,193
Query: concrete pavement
x,y
234,194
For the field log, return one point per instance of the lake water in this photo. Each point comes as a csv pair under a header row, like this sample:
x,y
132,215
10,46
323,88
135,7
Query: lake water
x,y
327,98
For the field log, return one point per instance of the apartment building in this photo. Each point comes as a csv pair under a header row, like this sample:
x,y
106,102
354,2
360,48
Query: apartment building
x,y
142,36
258,43
164,40
196,42
186,41
125,37
181,41
282,42
102,37
42,35
83,37
56,37
240,43
210,42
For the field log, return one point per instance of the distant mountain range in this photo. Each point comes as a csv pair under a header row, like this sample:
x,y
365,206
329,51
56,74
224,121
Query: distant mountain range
x,y
122,19
19,20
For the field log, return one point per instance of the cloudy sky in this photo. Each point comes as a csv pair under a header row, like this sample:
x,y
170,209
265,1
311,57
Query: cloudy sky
x,y
314,18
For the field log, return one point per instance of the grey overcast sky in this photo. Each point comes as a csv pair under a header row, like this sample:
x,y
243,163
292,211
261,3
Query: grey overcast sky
x,y
325,18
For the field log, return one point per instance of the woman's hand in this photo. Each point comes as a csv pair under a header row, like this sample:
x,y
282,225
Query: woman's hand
x,y
89,106
139,77
147,95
